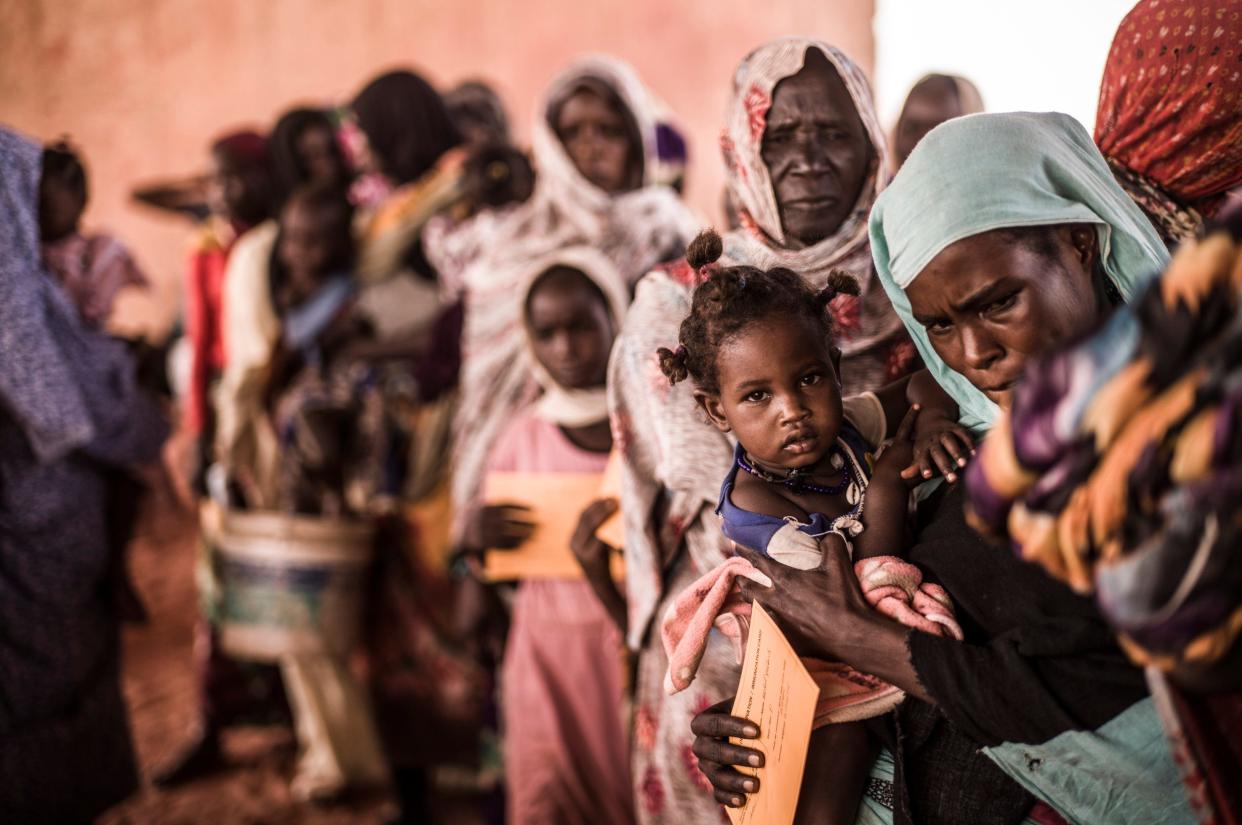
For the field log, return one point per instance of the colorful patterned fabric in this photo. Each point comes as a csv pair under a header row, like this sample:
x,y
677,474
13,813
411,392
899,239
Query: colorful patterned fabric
x,y
1117,468
1170,107
995,171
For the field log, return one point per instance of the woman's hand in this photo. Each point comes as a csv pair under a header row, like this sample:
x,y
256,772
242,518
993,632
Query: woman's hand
x,y
591,552
824,615
814,608
502,526
718,756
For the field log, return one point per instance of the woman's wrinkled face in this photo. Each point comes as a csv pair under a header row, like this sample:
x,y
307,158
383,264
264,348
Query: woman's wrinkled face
x,y
570,330
991,301
817,151
929,104
779,393
598,140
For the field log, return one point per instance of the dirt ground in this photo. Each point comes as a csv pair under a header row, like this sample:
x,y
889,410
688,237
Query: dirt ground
x,y
160,689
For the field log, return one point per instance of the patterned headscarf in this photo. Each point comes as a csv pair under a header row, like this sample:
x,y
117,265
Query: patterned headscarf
x,y
861,322
1170,111
974,174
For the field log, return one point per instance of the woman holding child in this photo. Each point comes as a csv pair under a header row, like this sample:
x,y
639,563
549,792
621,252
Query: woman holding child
x,y
1002,235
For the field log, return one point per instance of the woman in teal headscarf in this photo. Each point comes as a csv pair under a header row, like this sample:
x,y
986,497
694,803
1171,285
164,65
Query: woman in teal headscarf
x,y
1003,235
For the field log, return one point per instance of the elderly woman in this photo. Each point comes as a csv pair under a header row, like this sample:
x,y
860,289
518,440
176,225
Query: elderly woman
x,y
1170,114
805,157
1001,236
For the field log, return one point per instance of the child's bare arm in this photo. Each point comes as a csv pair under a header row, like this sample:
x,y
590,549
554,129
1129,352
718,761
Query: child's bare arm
x,y
838,763
886,505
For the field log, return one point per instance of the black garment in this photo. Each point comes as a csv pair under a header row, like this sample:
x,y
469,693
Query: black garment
x,y
1038,660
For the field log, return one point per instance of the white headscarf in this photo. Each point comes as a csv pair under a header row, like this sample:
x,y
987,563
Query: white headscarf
x,y
863,322
633,230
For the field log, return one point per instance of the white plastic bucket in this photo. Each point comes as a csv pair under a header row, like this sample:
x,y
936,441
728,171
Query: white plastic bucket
x,y
289,584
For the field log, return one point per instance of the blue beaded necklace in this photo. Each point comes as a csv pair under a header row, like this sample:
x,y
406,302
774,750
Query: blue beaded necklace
x,y
797,480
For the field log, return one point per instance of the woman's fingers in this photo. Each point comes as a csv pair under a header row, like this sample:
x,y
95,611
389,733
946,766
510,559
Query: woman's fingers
x,y
718,724
728,798
723,752
773,570
733,783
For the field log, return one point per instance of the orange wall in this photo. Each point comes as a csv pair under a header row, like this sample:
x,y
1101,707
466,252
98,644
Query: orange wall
x,y
143,85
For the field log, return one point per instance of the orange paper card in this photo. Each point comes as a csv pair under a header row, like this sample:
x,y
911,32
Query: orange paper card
x,y
778,695
612,531
556,500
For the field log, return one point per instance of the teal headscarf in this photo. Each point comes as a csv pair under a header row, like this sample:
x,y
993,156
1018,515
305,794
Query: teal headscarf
x,y
996,171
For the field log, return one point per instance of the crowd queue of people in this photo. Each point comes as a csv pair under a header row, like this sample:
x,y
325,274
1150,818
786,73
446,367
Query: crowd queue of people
x,y
939,398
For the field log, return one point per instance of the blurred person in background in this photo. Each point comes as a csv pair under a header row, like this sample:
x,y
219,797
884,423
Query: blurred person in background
x,y
92,267
70,414
932,100
239,192
303,150
562,685
478,113
597,157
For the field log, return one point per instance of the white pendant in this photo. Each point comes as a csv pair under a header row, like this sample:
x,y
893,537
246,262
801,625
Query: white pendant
x,y
836,461
852,493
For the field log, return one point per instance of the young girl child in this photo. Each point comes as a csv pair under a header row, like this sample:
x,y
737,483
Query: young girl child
x,y
92,267
565,745
758,346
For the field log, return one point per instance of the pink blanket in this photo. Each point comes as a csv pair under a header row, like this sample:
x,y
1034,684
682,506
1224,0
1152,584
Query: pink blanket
x,y
892,586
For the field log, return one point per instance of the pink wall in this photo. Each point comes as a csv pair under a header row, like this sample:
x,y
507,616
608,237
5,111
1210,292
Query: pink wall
x,y
143,85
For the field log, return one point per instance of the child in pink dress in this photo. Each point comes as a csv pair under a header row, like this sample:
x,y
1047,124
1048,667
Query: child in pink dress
x,y
566,748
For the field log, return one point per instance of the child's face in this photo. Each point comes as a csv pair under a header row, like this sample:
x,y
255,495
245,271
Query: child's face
x,y
307,243
778,393
571,333
60,209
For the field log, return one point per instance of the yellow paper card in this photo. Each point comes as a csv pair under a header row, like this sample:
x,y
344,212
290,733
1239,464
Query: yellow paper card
x,y
556,500
612,531
778,695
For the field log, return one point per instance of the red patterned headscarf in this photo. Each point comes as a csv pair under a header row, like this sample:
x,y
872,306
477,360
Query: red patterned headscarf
x,y
1170,112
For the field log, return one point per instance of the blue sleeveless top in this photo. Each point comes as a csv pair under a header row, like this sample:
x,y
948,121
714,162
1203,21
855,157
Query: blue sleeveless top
x,y
786,539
